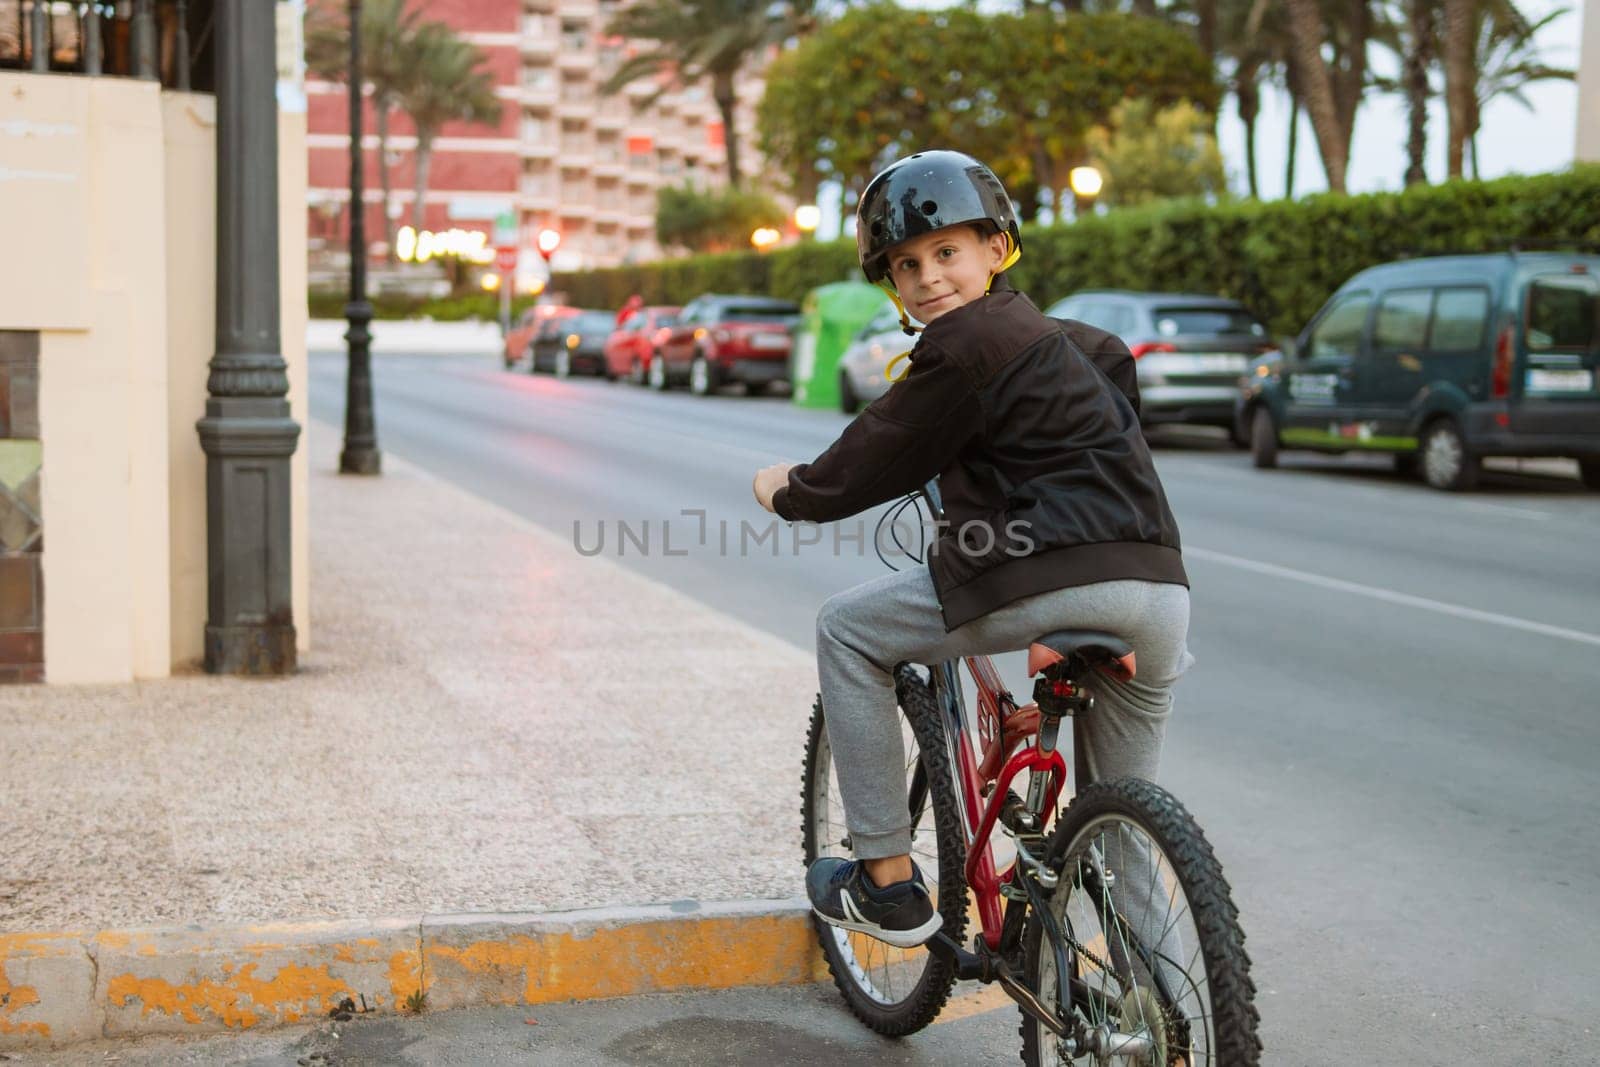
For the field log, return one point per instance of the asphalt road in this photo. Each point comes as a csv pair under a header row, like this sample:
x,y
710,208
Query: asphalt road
x,y
1390,736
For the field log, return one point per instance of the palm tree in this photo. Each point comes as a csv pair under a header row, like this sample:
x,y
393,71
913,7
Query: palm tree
x,y
386,32
448,82
703,39
1506,60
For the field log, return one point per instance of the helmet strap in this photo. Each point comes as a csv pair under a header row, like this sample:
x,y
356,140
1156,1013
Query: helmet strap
x,y
905,319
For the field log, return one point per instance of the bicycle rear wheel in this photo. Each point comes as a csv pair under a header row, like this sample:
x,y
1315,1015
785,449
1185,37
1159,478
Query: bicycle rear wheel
x,y
893,991
1151,948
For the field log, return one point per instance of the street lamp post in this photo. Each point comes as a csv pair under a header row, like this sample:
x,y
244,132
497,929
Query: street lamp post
x,y
360,455
247,433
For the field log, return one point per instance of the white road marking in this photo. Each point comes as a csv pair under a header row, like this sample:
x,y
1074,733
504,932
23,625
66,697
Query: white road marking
x,y
1511,622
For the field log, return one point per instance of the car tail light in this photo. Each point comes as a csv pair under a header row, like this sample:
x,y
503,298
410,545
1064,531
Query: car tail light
x,y
662,334
1500,372
1144,349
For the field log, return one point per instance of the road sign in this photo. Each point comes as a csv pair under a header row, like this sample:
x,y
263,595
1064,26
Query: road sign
x,y
505,257
505,228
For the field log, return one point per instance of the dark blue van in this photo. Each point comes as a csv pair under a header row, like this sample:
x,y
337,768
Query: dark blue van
x,y
1443,361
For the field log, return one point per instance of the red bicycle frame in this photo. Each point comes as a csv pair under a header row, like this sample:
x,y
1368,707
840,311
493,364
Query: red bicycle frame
x,y
1001,727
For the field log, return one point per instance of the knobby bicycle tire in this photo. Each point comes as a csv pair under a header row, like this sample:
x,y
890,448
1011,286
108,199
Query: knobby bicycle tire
x,y
1216,920
923,1003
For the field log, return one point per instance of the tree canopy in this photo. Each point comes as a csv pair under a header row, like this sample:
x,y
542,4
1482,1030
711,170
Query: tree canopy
x,y
1020,91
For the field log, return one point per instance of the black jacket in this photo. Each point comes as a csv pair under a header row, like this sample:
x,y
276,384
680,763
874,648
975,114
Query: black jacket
x,y
1044,472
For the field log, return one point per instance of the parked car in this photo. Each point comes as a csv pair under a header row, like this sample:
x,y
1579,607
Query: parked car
x,y
519,339
573,344
719,339
632,345
866,358
1443,361
1190,351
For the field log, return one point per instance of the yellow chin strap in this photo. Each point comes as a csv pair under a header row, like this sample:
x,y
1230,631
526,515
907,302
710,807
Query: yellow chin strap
x,y
1013,253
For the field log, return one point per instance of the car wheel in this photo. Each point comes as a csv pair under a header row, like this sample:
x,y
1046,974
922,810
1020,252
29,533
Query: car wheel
x,y
658,373
1589,472
533,361
564,363
1263,439
756,388
849,403
1446,462
702,377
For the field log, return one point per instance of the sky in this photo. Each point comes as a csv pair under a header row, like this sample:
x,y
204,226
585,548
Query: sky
x,y
1512,140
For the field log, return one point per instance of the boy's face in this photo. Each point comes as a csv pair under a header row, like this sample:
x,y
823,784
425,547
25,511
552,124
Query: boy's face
x,y
940,271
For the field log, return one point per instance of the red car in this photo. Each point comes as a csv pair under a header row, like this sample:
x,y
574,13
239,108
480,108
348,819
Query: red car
x,y
632,347
720,339
519,340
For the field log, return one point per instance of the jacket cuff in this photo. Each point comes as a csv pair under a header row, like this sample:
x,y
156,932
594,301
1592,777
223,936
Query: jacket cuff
x,y
780,504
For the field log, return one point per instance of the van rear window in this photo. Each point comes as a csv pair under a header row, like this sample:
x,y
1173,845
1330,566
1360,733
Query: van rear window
x,y
1562,309
1171,322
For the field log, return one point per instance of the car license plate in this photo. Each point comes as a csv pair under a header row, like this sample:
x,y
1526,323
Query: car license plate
x,y
1219,363
770,340
1560,381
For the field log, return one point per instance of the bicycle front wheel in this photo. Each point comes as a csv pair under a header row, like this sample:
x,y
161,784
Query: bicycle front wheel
x,y
1142,950
894,991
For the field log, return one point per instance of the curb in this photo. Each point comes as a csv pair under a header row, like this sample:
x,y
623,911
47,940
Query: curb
x,y
60,988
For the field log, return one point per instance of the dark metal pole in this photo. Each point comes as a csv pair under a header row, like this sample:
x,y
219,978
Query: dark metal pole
x,y
181,46
91,38
360,455
40,32
144,39
247,433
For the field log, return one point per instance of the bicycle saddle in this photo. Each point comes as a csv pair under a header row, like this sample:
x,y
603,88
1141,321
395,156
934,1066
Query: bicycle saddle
x,y
1092,648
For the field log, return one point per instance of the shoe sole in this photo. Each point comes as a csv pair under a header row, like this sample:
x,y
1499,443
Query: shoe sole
x,y
898,938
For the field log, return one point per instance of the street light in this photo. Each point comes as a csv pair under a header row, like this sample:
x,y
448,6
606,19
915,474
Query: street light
x,y
1086,184
764,238
549,241
806,218
360,455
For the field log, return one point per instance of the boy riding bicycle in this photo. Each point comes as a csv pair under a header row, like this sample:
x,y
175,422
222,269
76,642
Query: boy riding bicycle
x,y
1056,518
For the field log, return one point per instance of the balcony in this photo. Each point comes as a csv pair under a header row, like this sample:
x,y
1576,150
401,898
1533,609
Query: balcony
x,y
576,111
540,97
611,169
578,9
539,44
610,118
574,60
540,148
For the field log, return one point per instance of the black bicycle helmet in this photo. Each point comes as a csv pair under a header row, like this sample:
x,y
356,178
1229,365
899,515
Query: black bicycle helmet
x,y
926,192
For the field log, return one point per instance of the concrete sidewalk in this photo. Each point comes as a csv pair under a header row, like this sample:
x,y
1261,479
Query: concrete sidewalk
x,y
488,722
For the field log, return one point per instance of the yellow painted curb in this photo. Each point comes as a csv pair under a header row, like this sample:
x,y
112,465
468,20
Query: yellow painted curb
x,y
58,988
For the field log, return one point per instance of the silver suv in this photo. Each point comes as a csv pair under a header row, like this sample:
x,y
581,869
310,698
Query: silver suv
x,y
1190,351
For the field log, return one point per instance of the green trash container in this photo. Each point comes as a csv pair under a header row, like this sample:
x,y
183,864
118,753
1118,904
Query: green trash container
x,y
830,316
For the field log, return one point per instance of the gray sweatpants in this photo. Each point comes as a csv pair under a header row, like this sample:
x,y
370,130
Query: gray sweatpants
x,y
863,632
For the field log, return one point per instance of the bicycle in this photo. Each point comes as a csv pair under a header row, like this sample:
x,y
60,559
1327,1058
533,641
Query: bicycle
x,y
1077,943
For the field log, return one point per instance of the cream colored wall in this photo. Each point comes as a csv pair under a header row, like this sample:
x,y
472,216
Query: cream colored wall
x,y
292,177
102,390
104,181
190,137
1587,141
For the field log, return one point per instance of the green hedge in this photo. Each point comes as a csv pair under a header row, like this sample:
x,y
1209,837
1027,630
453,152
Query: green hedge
x,y
1281,258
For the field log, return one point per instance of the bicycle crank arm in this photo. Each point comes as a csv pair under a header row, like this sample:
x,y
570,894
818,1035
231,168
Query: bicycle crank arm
x,y
970,966
1030,1003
